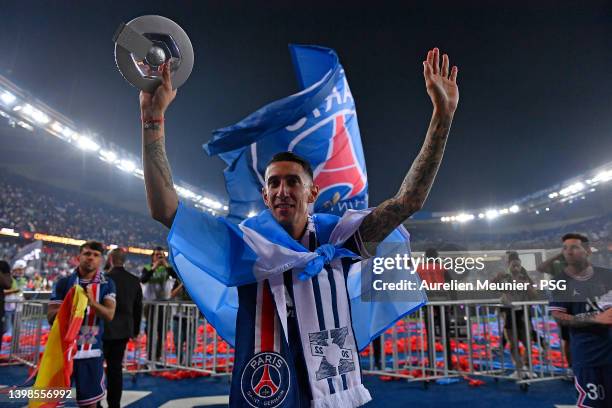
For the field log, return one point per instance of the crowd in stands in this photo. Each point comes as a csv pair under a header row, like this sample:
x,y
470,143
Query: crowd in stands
x,y
29,206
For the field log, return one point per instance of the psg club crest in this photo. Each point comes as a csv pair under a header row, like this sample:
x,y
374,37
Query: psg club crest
x,y
318,123
265,381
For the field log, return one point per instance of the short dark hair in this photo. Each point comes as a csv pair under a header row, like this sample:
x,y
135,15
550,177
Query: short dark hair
x,y
118,255
292,157
95,245
158,248
431,253
513,256
5,267
575,235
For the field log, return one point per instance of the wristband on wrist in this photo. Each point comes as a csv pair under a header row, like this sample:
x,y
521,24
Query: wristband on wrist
x,y
153,120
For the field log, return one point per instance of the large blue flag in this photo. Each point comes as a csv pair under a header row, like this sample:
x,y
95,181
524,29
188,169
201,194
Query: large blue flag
x,y
213,256
318,123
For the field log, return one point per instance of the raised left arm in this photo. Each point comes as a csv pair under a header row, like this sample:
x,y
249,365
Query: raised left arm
x,y
442,89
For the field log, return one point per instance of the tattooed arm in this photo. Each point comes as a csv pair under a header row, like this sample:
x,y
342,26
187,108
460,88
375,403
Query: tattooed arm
x,y
583,319
442,89
161,195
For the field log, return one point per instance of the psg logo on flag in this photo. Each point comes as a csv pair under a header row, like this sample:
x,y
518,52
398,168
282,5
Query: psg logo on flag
x,y
319,123
265,380
340,174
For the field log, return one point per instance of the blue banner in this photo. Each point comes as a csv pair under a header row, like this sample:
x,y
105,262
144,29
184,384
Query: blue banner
x,y
318,123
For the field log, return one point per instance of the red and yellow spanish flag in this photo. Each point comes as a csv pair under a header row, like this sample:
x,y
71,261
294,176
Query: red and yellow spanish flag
x,y
55,368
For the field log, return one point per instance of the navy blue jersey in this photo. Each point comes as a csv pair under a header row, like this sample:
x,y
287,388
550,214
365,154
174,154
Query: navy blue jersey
x,y
269,369
590,346
89,340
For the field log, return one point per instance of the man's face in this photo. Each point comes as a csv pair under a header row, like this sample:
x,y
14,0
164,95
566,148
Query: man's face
x,y
89,260
18,272
288,191
158,255
515,266
575,252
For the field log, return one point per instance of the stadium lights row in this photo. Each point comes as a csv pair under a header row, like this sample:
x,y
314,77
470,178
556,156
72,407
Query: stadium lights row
x,y
569,193
490,214
125,162
580,186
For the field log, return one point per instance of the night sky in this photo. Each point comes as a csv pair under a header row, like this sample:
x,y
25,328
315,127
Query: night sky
x,y
535,82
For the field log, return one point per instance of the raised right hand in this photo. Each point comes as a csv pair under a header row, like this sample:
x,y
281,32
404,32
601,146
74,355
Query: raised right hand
x,y
154,105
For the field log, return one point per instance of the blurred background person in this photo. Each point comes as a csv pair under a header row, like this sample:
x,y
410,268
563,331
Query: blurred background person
x,y
158,279
5,283
517,330
14,295
124,326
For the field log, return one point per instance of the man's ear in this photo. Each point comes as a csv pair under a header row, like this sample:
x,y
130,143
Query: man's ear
x,y
264,195
314,193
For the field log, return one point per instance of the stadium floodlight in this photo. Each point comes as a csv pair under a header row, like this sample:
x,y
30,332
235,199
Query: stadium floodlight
x,y
25,125
463,217
8,98
572,189
491,214
211,203
547,209
537,212
514,209
481,215
33,113
225,208
553,195
184,192
251,214
127,165
57,127
602,177
68,133
85,143
108,156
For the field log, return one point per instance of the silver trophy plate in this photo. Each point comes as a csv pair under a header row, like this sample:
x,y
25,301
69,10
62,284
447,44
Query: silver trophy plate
x,y
144,44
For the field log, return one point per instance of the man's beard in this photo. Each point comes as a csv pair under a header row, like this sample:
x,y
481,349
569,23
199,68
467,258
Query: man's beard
x,y
87,270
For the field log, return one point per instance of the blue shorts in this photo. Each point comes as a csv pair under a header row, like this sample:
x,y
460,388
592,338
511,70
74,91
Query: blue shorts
x,y
594,385
88,378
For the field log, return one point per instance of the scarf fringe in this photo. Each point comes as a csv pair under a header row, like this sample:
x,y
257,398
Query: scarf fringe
x,y
351,398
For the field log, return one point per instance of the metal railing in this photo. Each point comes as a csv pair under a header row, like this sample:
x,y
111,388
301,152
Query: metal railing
x,y
28,322
177,336
441,340
461,338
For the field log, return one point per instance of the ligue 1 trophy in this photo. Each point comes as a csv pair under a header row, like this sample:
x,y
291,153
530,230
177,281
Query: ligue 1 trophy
x,y
144,44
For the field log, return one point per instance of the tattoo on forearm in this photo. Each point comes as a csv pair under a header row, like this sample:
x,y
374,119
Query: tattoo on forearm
x,y
151,126
579,320
156,155
414,189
